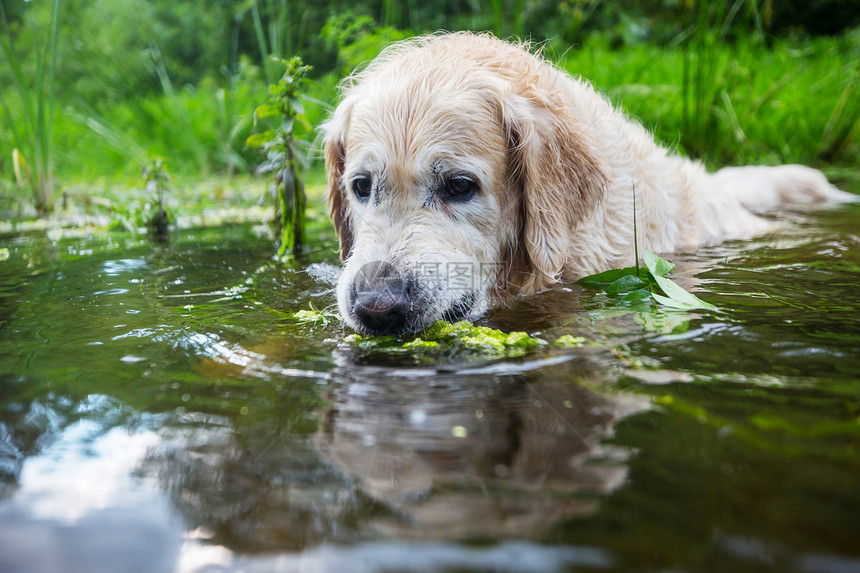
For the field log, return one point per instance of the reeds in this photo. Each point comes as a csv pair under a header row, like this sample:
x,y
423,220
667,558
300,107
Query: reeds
x,y
272,35
843,126
722,93
710,121
731,96
32,128
713,81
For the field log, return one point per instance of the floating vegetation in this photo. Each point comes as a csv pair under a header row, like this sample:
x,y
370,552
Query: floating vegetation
x,y
443,337
637,287
570,341
315,316
646,291
459,337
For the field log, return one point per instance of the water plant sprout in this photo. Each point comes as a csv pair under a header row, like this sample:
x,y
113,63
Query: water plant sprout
x,y
284,155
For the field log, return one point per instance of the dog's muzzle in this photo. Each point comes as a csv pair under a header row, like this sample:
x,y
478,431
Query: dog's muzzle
x,y
383,298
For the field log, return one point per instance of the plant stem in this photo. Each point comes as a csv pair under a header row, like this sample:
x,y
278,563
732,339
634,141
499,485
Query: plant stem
x,y
635,232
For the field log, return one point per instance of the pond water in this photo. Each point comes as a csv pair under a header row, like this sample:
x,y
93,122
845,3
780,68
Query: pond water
x,y
162,411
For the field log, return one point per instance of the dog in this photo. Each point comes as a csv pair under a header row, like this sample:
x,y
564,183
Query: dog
x,y
463,170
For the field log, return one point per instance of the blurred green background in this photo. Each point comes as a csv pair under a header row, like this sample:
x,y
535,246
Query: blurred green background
x,y
92,89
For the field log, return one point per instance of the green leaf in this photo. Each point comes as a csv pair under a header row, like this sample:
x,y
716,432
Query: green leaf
x,y
287,125
602,280
677,297
657,266
639,295
625,284
636,286
260,139
267,110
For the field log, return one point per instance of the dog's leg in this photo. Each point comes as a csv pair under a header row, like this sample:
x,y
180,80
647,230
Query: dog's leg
x,y
760,188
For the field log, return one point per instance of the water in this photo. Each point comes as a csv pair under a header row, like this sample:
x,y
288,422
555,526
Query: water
x,y
161,411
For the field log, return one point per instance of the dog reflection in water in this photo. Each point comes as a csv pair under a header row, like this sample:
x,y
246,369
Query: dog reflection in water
x,y
467,455
402,452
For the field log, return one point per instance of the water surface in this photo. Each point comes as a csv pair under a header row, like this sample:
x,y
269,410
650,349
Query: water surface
x,y
161,410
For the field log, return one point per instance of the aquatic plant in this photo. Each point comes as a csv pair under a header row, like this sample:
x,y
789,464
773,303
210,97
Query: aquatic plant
x,y
644,290
284,154
637,286
444,336
157,179
315,316
32,130
147,214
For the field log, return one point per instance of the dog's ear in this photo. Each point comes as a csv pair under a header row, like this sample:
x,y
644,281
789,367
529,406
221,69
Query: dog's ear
x,y
551,158
335,156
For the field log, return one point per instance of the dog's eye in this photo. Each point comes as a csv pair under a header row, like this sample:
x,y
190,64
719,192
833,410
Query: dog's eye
x,y
460,188
361,186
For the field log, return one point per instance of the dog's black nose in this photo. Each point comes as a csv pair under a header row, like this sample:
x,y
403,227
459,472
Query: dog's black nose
x,y
383,298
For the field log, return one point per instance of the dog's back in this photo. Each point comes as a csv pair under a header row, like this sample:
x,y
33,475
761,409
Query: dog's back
x,y
760,188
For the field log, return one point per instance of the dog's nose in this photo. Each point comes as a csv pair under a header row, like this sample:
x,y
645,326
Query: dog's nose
x,y
383,298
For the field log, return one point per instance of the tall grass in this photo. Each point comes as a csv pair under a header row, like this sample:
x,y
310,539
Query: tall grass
x,y
32,130
199,129
714,83
719,94
506,20
843,126
273,37
791,102
709,77
178,114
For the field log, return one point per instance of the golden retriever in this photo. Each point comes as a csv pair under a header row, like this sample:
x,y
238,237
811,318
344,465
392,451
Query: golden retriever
x,y
463,169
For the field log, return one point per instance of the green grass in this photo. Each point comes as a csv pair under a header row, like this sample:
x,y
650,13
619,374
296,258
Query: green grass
x,y
792,102
789,103
199,131
31,125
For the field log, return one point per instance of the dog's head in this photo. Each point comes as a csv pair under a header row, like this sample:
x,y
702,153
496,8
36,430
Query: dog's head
x,y
456,175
